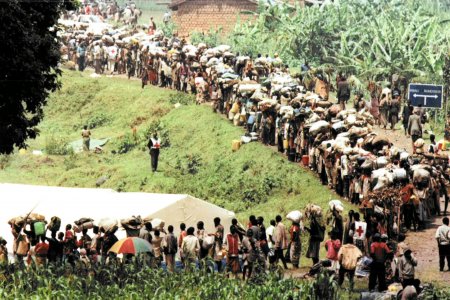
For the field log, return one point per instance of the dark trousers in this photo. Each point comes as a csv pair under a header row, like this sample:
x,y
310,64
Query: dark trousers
x,y
407,282
446,197
377,271
279,255
444,253
351,275
81,65
346,187
154,153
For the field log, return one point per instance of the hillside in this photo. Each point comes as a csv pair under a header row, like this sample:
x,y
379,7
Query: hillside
x,y
197,158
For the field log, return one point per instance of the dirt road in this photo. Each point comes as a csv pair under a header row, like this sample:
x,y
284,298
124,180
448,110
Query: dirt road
x,y
422,243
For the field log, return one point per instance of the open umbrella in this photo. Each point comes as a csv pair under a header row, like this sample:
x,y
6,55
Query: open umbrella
x,y
131,245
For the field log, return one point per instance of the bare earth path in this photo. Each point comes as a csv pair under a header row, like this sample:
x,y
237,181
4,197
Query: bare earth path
x,y
422,243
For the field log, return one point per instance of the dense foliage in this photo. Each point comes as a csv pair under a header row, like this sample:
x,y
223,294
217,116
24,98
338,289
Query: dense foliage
x,y
133,282
29,59
372,39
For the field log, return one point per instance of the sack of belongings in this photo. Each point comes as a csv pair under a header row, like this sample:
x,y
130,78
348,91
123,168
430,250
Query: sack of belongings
x,y
108,224
83,220
208,242
313,210
319,127
337,205
294,216
55,224
132,223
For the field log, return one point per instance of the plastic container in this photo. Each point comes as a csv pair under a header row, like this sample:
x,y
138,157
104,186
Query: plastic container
x,y
39,228
305,160
235,145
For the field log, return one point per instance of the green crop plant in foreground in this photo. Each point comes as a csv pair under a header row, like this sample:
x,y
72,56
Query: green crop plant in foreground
x,y
131,281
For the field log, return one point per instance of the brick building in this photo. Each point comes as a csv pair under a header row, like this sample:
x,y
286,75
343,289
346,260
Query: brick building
x,y
202,15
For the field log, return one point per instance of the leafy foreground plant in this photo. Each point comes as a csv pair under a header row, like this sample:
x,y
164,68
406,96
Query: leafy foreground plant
x,y
371,39
133,282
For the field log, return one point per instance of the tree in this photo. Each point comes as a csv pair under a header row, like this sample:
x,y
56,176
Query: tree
x,y
29,58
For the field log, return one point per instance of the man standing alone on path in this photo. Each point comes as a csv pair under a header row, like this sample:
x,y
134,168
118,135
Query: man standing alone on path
x,y
153,145
443,239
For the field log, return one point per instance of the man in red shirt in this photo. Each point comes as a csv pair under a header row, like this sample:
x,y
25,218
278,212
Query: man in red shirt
x,y
232,245
378,251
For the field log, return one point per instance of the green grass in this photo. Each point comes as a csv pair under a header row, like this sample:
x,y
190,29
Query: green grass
x,y
199,160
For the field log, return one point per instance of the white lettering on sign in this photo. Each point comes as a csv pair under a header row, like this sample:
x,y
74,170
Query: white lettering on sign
x,y
432,91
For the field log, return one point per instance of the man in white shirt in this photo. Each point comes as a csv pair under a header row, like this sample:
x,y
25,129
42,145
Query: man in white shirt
x,y
443,239
269,234
190,247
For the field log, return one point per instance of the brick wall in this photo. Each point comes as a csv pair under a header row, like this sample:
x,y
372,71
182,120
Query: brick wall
x,y
203,15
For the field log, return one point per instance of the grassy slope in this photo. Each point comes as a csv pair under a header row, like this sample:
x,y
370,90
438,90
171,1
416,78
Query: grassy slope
x,y
224,177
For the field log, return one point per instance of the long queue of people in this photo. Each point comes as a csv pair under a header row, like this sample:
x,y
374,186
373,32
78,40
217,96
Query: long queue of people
x,y
396,191
248,250
297,116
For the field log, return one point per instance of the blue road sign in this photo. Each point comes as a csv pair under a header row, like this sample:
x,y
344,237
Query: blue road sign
x,y
428,95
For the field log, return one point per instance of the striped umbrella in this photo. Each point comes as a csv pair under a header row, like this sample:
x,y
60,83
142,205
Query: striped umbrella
x,y
131,245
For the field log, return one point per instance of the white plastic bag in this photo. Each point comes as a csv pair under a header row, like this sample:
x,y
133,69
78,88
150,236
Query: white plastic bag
x,y
295,216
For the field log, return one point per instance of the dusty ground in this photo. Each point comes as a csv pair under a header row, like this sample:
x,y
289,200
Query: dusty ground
x,y
422,243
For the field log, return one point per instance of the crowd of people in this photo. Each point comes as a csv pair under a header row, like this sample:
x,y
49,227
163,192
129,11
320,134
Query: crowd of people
x,y
396,191
248,250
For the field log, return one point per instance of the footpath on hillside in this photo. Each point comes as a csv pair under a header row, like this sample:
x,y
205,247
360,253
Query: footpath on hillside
x,y
423,242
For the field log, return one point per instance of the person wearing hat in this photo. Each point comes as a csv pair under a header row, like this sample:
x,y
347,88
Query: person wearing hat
x,y
154,144
379,252
406,268
415,127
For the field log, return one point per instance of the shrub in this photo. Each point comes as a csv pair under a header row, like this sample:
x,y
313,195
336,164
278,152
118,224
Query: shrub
x,y
4,161
98,120
57,146
70,162
126,143
182,98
